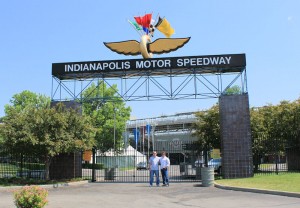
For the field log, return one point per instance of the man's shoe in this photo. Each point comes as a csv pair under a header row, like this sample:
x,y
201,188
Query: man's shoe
x,y
164,185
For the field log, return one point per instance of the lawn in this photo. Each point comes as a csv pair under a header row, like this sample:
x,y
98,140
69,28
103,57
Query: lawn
x,y
8,169
7,166
265,166
26,166
289,182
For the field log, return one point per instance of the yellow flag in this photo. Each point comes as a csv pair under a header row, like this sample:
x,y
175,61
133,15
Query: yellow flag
x,y
165,28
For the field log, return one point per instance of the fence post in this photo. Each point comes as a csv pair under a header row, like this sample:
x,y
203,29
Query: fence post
x,y
21,166
276,155
93,165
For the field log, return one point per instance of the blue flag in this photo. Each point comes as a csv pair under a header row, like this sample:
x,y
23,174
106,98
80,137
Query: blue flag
x,y
148,128
146,30
136,134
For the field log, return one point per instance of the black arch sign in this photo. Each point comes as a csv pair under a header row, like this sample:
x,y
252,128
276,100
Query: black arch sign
x,y
209,63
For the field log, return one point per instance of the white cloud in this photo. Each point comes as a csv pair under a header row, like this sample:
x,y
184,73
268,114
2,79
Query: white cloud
x,y
290,18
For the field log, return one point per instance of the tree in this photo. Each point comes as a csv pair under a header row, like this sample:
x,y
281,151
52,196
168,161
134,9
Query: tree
x,y
27,99
207,130
296,124
108,113
234,90
261,122
46,132
286,124
274,128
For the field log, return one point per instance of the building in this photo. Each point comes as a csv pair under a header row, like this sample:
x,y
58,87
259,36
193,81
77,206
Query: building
x,y
172,134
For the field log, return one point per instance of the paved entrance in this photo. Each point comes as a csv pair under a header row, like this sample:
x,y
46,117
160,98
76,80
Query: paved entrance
x,y
139,195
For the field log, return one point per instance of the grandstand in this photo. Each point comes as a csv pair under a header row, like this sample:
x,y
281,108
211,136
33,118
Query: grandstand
x,y
168,133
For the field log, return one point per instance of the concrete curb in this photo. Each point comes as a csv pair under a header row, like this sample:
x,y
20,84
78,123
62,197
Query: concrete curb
x,y
261,191
47,186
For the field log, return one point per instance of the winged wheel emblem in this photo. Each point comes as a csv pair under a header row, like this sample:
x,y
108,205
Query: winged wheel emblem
x,y
144,26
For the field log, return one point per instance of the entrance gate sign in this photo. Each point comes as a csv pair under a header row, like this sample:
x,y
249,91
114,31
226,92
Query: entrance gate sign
x,y
188,77
208,63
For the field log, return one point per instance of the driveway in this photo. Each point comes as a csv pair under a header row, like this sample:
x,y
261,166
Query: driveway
x,y
118,195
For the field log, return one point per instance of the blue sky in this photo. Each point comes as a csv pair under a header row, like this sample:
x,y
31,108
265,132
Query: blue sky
x,y
35,34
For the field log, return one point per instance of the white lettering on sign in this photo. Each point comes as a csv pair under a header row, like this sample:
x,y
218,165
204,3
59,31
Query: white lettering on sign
x,y
153,64
209,61
219,60
97,66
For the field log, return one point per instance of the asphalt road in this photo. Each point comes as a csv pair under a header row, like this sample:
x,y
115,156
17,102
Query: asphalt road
x,y
116,195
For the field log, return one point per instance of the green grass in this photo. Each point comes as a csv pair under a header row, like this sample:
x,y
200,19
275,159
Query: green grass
x,y
126,168
289,182
16,167
265,166
7,166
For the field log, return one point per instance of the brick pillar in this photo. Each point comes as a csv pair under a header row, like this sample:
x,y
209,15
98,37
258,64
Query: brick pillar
x,y
66,166
236,141
293,158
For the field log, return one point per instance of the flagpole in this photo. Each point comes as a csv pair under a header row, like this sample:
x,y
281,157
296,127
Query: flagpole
x,y
148,134
136,135
134,28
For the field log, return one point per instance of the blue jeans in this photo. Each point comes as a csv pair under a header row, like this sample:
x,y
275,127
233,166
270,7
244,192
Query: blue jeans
x,y
165,176
152,173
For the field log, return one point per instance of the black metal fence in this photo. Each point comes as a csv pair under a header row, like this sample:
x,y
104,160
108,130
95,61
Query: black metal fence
x,y
272,155
20,165
130,164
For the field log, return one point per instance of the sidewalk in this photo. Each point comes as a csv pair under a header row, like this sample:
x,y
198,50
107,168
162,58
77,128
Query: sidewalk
x,y
116,195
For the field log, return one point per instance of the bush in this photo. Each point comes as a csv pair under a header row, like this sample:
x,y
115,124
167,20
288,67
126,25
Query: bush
x,y
31,197
90,166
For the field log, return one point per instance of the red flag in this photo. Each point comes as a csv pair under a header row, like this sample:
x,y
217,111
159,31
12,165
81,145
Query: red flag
x,y
144,21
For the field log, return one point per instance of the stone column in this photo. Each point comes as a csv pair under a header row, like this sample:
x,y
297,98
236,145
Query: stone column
x,y
236,141
66,166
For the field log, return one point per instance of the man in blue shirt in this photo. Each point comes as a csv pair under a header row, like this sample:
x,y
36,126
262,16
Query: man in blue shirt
x,y
154,168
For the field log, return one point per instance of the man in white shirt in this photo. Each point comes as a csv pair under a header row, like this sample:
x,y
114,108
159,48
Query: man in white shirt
x,y
154,168
164,165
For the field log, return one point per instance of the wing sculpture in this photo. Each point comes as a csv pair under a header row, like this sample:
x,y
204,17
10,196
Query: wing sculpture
x,y
145,47
166,45
129,47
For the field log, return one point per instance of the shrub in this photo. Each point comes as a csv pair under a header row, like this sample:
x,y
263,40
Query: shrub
x,y
31,197
90,166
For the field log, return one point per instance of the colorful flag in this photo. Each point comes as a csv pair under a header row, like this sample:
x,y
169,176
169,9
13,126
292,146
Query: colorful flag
x,y
152,22
135,25
164,27
144,20
146,30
